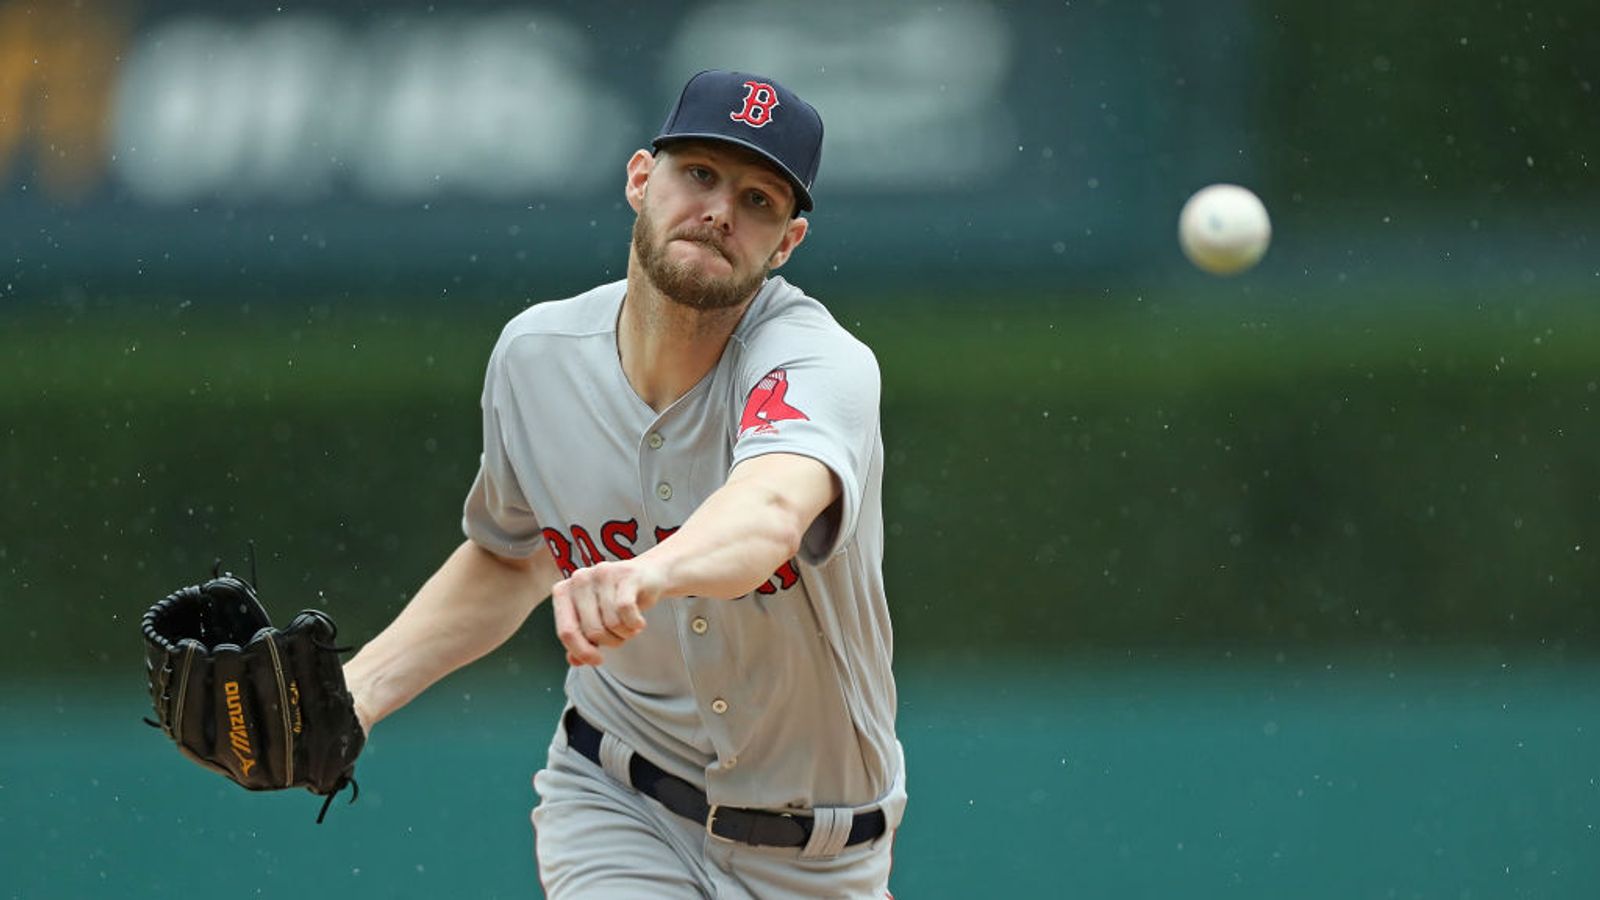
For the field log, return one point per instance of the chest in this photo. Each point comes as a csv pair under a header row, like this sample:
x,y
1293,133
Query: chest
x,y
607,477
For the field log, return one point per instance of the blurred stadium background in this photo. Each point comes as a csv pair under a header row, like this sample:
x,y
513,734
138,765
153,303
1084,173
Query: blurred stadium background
x,y
1278,586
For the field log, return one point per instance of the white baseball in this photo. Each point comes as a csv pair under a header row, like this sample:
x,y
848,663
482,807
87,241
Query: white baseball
x,y
1224,229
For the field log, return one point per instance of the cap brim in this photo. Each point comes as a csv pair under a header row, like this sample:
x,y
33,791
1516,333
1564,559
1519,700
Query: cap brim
x,y
801,195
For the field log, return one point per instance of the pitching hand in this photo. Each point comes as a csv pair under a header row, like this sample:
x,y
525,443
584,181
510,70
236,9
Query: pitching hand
x,y
603,605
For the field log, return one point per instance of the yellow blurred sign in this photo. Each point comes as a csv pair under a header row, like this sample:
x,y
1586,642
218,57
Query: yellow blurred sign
x,y
58,65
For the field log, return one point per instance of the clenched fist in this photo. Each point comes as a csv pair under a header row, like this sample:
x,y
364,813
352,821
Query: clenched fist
x,y
603,605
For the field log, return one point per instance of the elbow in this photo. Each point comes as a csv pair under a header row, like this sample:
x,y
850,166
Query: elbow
x,y
788,543
788,527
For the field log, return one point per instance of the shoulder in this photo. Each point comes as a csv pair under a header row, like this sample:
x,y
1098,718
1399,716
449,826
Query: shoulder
x,y
591,313
787,324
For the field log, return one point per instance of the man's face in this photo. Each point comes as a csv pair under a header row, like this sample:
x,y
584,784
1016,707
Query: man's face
x,y
713,221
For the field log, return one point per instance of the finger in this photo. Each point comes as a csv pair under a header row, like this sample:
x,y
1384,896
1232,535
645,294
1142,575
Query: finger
x,y
631,620
590,621
621,613
569,630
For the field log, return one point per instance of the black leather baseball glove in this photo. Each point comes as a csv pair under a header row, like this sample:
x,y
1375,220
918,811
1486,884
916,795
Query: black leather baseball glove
x,y
266,707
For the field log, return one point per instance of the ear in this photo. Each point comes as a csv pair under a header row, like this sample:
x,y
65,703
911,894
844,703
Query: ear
x,y
792,236
640,165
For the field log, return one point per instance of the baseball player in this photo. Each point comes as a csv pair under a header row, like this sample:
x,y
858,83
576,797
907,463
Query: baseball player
x,y
688,463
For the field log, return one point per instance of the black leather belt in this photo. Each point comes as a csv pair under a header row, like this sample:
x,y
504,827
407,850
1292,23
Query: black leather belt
x,y
747,826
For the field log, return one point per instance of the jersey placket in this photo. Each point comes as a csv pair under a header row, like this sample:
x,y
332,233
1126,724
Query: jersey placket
x,y
679,467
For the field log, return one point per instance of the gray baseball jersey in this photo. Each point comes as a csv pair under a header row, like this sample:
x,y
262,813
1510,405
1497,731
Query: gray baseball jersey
x,y
781,698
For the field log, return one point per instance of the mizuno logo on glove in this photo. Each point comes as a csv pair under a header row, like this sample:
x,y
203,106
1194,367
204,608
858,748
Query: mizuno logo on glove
x,y
238,735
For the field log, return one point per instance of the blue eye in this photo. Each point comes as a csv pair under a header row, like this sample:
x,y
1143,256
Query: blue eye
x,y
760,199
700,174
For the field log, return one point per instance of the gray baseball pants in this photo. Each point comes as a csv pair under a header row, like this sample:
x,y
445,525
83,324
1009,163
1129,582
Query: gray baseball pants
x,y
597,839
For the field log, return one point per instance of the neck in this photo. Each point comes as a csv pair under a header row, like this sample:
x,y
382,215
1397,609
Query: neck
x,y
666,347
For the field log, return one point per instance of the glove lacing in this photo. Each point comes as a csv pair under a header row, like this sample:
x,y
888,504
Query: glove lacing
x,y
327,799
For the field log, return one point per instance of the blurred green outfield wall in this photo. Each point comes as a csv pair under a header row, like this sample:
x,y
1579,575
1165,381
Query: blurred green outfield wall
x,y
1153,475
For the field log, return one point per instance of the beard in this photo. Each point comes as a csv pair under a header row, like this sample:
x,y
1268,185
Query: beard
x,y
684,283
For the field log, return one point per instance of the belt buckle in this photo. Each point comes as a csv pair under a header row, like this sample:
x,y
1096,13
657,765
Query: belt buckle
x,y
711,819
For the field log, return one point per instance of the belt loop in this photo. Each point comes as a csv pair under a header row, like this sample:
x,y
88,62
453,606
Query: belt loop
x,y
830,828
614,758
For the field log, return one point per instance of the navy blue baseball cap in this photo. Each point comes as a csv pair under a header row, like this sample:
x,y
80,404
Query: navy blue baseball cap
x,y
753,112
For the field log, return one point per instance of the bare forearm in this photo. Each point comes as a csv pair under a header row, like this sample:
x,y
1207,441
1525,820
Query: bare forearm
x,y
733,542
470,606
737,537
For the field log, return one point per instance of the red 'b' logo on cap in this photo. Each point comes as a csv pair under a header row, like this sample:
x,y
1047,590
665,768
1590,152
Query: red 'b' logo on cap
x,y
759,99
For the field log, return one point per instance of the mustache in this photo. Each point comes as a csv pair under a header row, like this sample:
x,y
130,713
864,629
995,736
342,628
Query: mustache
x,y
707,235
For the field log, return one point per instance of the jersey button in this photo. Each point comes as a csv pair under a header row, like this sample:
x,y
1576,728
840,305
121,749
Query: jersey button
x,y
699,625
719,706
730,762
664,491
655,440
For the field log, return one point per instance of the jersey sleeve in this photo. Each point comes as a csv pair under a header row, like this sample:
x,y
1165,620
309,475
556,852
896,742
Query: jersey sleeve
x,y
497,515
814,392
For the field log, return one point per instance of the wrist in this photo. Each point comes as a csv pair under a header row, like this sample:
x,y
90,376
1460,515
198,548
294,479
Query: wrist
x,y
364,716
360,685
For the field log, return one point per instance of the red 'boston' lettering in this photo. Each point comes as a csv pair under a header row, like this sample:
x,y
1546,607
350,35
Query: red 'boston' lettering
x,y
561,550
586,548
786,577
613,533
619,536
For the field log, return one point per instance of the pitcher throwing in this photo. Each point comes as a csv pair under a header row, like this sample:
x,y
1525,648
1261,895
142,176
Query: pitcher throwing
x,y
688,463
